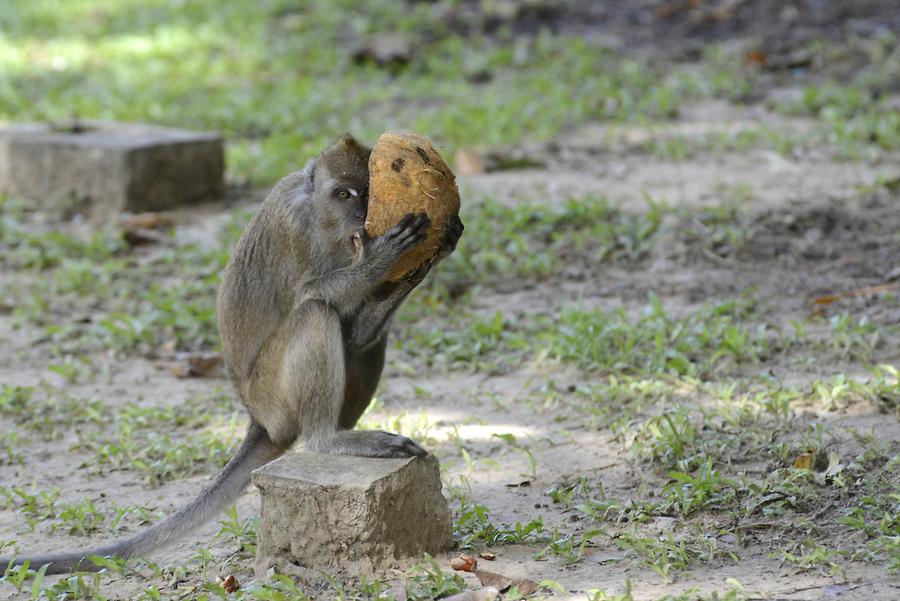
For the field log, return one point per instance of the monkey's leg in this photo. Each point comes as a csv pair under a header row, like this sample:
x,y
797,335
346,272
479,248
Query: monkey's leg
x,y
304,371
374,320
347,289
363,375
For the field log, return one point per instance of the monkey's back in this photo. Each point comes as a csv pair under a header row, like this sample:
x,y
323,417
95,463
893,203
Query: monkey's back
x,y
256,291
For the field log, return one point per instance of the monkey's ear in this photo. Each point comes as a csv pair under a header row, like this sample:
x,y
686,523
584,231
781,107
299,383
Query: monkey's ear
x,y
309,176
349,145
346,155
348,139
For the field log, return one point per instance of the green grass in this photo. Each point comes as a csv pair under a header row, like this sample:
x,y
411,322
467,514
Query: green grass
x,y
690,391
700,344
279,80
44,507
473,527
147,439
537,240
140,309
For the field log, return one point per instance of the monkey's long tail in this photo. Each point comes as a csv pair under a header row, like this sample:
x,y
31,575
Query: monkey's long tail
x,y
255,451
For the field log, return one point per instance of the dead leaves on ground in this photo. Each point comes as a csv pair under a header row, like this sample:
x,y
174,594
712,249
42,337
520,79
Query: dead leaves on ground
x,y
199,365
229,583
809,461
485,594
513,588
147,228
804,461
828,299
464,563
505,585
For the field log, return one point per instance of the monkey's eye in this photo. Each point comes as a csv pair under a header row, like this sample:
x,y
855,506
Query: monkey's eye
x,y
343,194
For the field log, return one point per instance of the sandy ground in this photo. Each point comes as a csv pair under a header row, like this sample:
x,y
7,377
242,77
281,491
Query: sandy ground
x,y
826,247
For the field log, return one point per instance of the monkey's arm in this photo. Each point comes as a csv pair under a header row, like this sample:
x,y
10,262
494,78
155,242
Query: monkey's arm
x,y
344,289
347,288
375,318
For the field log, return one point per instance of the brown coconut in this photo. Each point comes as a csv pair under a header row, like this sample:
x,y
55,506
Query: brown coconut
x,y
407,175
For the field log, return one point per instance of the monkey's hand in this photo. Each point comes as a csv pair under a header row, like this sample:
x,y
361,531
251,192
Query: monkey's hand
x,y
453,229
381,253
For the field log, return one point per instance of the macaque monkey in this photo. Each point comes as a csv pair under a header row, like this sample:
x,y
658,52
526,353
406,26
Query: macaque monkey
x,y
304,310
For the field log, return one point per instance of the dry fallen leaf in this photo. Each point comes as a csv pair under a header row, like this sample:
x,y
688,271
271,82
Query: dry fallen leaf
x,y
498,581
140,237
756,58
503,583
804,461
463,563
201,365
828,299
835,466
229,583
149,221
146,228
487,593
487,555
525,586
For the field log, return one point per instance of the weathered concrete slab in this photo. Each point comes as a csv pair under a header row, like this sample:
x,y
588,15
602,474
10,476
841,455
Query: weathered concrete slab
x,y
110,167
348,516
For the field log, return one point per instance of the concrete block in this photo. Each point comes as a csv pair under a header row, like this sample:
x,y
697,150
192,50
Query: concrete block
x,y
110,167
348,516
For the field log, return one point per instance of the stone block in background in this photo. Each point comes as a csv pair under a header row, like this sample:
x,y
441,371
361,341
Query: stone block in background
x,y
348,516
104,168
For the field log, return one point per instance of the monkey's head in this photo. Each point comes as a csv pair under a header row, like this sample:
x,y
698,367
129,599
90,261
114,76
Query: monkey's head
x,y
338,182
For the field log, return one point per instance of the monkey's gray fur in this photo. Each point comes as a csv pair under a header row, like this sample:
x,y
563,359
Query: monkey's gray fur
x,y
304,311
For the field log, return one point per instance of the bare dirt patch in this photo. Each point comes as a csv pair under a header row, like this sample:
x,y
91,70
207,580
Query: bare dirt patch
x,y
570,455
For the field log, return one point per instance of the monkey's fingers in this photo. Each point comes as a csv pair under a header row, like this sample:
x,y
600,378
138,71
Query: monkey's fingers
x,y
415,221
455,225
409,220
453,230
405,221
411,230
421,223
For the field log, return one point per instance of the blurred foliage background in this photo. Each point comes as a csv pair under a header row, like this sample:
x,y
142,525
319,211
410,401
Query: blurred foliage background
x,y
282,77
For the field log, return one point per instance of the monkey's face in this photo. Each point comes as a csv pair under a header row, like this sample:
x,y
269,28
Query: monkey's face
x,y
342,188
350,199
342,201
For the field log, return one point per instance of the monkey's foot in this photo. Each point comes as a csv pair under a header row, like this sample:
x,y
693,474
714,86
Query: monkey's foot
x,y
387,444
368,443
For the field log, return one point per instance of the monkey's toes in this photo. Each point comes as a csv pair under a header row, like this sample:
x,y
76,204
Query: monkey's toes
x,y
401,446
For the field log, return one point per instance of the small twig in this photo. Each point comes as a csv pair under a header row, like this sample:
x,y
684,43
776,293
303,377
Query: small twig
x,y
867,291
806,588
756,525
